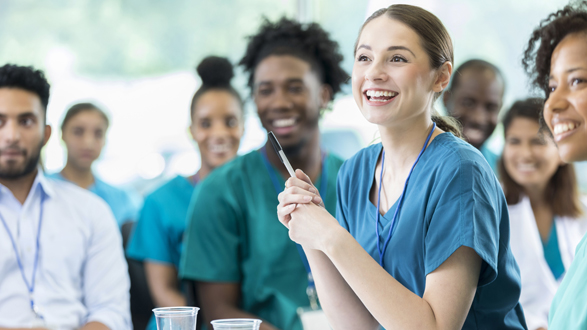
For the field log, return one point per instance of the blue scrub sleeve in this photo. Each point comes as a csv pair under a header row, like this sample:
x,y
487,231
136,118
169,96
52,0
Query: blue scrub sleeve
x,y
341,191
466,212
150,239
215,227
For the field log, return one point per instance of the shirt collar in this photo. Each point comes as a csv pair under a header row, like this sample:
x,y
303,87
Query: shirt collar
x,y
41,182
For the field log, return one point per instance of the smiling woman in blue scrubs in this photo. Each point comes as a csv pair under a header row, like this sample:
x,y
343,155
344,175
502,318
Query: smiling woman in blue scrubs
x,y
421,235
217,127
84,132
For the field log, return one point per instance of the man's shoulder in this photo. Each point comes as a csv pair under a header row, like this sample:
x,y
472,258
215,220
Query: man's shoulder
x,y
236,169
74,196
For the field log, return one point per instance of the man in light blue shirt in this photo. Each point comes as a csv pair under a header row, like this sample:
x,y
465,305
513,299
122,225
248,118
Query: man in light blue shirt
x,y
61,260
474,98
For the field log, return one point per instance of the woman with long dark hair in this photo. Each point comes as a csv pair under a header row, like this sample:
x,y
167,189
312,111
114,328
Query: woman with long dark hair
x,y
546,216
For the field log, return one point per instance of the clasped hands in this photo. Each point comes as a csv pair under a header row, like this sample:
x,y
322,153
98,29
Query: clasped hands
x,y
301,209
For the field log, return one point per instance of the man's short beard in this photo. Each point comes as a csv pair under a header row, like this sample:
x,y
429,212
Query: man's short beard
x,y
29,166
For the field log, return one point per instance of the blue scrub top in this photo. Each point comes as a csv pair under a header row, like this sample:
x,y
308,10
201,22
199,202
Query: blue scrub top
x,y
453,199
121,203
158,234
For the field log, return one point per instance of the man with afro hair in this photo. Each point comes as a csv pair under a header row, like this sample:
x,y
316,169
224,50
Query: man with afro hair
x,y
236,249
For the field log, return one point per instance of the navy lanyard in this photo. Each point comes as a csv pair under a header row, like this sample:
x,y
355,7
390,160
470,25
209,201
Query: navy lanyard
x,y
30,286
399,201
311,290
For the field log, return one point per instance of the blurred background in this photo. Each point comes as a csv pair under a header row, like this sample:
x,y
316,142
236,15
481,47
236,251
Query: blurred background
x,y
137,59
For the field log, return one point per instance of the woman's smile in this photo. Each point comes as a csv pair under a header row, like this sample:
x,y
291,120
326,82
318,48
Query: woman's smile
x,y
377,97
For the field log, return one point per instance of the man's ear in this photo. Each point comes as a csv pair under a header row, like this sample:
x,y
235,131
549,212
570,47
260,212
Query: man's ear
x,y
47,134
325,95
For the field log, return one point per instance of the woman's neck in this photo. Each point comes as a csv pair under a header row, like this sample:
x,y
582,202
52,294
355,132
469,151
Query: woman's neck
x,y
306,158
81,177
403,142
203,172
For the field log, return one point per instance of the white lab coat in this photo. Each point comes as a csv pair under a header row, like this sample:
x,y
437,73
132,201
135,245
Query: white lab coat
x,y
538,283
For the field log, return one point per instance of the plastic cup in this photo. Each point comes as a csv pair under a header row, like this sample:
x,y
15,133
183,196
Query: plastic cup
x,y
176,318
236,324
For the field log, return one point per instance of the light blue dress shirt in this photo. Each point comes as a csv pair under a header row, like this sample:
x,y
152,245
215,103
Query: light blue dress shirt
x,y
82,274
453,199
122,205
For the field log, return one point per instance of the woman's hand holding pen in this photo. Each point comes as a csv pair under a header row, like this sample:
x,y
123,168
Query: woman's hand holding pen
x,y
302,211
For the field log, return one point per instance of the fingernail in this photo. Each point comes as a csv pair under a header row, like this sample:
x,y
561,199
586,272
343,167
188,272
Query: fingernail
x,y
313,191
307,198
317,199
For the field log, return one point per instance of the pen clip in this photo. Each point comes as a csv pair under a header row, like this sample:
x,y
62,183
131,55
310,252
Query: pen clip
x,y
275,144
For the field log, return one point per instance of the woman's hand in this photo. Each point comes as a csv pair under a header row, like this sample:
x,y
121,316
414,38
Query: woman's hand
x,y
302,211
298,190
313,227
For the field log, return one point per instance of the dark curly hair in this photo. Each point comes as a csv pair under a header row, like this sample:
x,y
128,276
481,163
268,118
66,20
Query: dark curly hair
x,y
307,42
27,78
536,62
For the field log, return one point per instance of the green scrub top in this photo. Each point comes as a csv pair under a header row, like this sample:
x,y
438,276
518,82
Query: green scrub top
x,y
569,306
233,235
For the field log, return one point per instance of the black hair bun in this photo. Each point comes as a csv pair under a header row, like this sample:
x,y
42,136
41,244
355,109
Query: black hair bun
x,y
215,71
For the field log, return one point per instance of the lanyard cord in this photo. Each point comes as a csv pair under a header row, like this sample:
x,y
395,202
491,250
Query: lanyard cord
x,y
399,201
31,286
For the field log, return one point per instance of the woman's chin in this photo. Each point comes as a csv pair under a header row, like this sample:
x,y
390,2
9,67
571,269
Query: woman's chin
x,y
570,155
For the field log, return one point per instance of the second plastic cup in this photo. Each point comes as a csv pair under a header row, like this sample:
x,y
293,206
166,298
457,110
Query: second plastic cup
x,y
236,324
176,318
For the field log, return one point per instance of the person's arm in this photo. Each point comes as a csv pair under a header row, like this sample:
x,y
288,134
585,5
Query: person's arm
x,y
94,326
163,284
361,280
105,278
220,301
446,301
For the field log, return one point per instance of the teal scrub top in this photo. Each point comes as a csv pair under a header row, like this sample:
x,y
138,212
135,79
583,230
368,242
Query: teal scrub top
x,y
491,157
452,199
233,235
121,203
158,234
569,306
552,253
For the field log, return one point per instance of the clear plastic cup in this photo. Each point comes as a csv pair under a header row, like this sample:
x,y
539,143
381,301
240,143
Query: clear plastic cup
x,y
236,324
176,318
